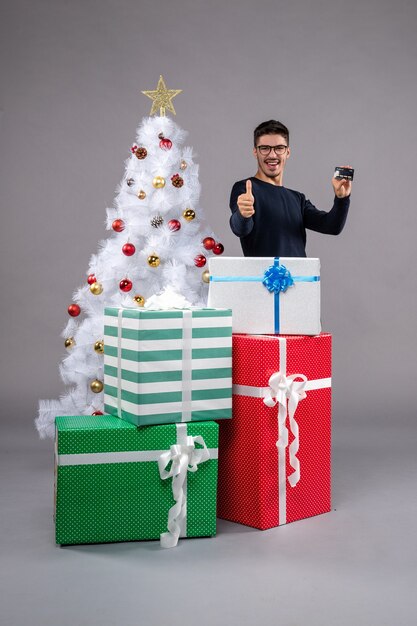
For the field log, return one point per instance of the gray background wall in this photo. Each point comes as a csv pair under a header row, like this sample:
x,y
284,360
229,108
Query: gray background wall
x,y
340,75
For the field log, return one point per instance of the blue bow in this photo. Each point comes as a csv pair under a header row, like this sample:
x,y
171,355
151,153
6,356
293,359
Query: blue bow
x,y
277,278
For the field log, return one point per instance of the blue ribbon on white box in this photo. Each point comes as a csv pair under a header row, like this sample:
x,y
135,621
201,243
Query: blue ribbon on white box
x,y
276,278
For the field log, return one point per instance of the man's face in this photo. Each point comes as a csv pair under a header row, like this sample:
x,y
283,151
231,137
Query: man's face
x,y
272,164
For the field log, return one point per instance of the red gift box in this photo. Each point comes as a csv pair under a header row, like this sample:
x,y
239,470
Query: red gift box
x,y
274,455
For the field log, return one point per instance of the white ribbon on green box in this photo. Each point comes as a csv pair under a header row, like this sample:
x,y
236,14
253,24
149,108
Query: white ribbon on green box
x,y
183,456
286,391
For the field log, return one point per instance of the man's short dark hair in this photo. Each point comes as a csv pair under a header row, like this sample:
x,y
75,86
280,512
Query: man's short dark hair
x,y
272,127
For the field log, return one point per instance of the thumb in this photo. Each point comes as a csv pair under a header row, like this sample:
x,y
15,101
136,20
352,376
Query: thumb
x,y
249,187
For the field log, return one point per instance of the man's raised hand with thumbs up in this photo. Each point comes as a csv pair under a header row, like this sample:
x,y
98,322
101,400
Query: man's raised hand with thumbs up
x,y
246,201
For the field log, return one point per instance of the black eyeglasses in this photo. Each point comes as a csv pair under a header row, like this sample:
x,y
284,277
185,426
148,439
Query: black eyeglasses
x,y
265,150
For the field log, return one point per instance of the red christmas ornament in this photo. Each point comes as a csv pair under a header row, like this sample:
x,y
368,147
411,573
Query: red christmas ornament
x,y
74,310
200,260
165,143
128,249
91,279
174,225
97,413
125,285
209,243
118,225
218,248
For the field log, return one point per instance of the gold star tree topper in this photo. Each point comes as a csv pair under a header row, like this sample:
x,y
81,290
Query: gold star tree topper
x,y
162,97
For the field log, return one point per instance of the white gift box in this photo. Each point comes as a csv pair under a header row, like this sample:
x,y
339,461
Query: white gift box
x,y
268,295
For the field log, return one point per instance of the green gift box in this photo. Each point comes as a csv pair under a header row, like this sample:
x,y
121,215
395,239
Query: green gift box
x,y
117,482
168,366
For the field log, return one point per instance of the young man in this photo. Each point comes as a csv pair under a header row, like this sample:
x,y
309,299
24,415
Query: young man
x,y
270,219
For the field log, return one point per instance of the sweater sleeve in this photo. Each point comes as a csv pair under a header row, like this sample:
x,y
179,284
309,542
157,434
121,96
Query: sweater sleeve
x,y
241,226
329,223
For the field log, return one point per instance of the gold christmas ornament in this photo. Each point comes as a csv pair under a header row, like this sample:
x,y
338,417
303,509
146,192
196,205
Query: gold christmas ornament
x,y
96,289
188,214
183,165
205,276
140,300
69,342
96,386
141,195
99,347
153,260
162,97
158,182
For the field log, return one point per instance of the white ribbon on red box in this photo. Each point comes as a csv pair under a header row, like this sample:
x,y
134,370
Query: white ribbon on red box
x,y
286,391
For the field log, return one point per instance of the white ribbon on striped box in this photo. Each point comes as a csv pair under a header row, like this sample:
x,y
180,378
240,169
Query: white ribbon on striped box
x,y
183,456
286,391
186,364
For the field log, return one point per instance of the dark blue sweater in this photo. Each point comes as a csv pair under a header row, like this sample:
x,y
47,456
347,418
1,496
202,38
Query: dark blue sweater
x,y
278,226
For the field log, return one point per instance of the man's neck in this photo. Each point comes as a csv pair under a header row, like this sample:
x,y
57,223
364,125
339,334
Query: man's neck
x,y
277,181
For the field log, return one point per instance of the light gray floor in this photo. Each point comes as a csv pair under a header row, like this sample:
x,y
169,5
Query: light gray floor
x,y
354,566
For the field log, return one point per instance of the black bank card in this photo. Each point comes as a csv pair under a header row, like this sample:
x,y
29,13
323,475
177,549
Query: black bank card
x,y
344,172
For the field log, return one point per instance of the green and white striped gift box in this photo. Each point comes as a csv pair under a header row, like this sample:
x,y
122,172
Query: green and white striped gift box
x,y
168,366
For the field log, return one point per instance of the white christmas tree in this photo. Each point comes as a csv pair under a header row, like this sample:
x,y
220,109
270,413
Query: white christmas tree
x,y
158,242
